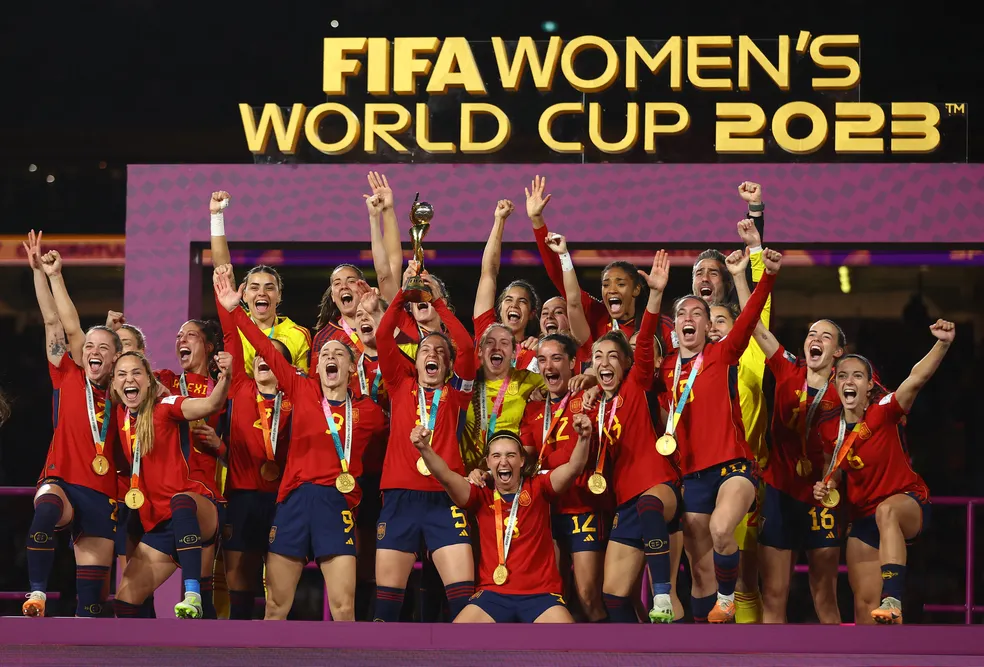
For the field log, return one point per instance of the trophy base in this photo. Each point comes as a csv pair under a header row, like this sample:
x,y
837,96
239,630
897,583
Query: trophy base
x,y
417,291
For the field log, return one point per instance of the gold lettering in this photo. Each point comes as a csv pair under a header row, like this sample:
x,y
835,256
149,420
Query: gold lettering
x,y
780,75
546,127
738,128
468,143
353,129
406,66
672,50
511,72
627,141
455,66
825,62
337,67
257,137
914,127
651,129
423,134
385,130
697,62
812,142
599,83
378,66
857,127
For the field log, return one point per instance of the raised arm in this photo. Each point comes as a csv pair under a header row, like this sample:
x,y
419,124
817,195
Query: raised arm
x,y
458,488
219,246
485,295
734,343
644,367
51,263
232,342
944,331
199,408
580,327
385,278
393,364
391,231
564,475
54,334
464,362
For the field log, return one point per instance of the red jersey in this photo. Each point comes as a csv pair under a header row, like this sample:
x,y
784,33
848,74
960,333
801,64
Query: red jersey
x,y
313,457
247,448
789,414
531,562
877,465
370,385
333,331
400,375
72,447
637,465
710,430
525,359
164,472
577,499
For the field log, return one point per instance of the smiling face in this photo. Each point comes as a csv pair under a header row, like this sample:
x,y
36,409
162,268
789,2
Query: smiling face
x,y
131,343
553,316
343,293
505,460
335,365
192,348
262,295
691,323
853,384
262,372
365,326
98,353
822,346
514,309
721,323
618,291
497,352
131,382
556,367
610,362
709,282
433,361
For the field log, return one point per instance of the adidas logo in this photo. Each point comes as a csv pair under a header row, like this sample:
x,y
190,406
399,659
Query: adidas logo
x,y
463,533
831,535
349,541
588,538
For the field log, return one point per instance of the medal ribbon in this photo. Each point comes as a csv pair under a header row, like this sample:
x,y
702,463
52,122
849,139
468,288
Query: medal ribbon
x,y
354,337
488,423
98,435
373,392
270,433
504,542
432,415
604,431
344,452
842,448
550,421
806,418
135,452
677,404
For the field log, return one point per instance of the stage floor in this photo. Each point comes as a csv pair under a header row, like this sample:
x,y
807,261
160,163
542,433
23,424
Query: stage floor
x,y
67,642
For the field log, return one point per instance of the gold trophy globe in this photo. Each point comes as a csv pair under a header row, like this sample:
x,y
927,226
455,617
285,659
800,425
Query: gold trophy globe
x,y
417,290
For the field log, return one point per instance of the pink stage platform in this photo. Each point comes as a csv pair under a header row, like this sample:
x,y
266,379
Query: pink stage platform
x,y
135,643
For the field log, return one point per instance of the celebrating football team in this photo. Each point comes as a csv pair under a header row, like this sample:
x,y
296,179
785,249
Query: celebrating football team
x,y
553,465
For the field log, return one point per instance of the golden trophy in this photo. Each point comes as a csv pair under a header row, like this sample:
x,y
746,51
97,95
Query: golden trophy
x,y
417,290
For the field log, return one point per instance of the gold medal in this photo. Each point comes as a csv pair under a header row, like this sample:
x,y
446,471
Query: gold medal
x,y
804,468
134,499
500,575
666,445
831,499
345,483
270,471
100,465
422,467
597,484
198,423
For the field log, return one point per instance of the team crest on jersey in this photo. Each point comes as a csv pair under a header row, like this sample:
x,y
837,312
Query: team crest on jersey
x,y
285,406
381,530
355,416
826,405
273,534
525,499
576,405
513,389
865,432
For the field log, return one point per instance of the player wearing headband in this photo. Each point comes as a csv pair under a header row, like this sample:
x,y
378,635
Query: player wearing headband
x,y
77,487
888,501
518,577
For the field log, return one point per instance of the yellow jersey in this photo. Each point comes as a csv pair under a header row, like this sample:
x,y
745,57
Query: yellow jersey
x,y
295,337
751,371
521,385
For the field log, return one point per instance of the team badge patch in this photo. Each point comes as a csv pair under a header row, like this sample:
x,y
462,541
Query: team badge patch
x,y
826,405
525,499
865,432
380,530
355,416
576,405
227,532
273,534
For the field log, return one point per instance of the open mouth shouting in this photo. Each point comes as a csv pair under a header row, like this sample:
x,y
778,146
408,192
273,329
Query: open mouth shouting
x,y
553,380
815,351
184,354
705,290
689,331
366,329
606,376
504,474
496,361
432,368
346,297
95,365
331,371
130,394
262,367
261,306
513,317
615,305
850,393
550,327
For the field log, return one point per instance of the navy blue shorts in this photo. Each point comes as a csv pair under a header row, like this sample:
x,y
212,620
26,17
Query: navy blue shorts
x,y
313,522
368,515
94,513
505,608
627,526
866,529
700,489
128,526
248,520
791,524
407,517
580,532
161,537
